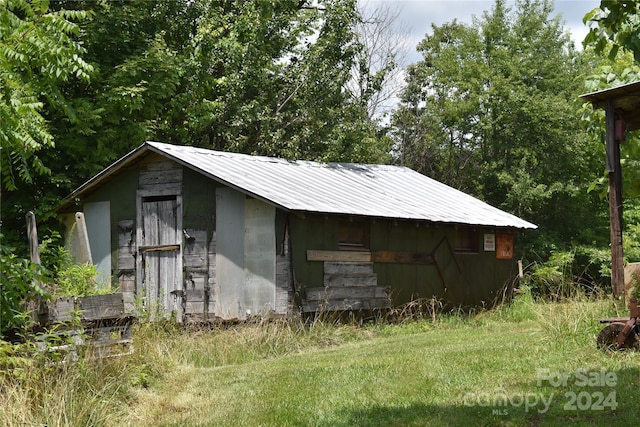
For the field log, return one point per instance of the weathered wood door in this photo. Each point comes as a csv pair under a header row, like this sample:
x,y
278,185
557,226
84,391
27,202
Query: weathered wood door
x,y
159,251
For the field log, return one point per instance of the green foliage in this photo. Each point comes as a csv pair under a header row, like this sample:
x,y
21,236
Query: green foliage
x,y
554,278
491,110
246,76
69,278
610,73
256,77
77,280
614,25
38,49
19,283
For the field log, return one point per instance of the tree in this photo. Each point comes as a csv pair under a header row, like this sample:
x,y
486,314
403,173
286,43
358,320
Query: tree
x,y
491,109
613,25
256,77
613,35
38,50
378,65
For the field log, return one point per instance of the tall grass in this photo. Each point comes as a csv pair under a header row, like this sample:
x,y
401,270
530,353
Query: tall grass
x,y
42,391
63,393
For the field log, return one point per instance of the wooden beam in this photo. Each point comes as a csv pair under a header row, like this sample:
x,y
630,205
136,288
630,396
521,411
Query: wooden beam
x,y
388,257
346,305
159,248
84,249
32,234
402,257
345,292
339,256
615,201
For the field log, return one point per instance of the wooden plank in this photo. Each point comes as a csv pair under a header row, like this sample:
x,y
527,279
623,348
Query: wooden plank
x,y
402,257
346,292
127,281
343,256
101,306
126,259
193,261
159,174
346,305
348,267
194,307
129,300
32,234
195,248
60,310
159,248
340,280
193,295
84,250
282,266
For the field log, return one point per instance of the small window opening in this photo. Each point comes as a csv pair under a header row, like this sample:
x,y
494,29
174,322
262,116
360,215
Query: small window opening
x,y
353,235
466,239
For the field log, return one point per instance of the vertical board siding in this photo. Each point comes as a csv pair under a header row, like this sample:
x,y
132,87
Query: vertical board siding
x,y
214,290
127,261
199,304
159,236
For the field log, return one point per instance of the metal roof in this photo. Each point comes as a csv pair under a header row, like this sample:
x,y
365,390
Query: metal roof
x,y
329,188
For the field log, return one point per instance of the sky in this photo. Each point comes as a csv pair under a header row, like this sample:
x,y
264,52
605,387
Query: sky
x,y
418,15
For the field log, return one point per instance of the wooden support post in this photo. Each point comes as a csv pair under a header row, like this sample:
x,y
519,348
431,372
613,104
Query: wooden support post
x,y
84,250
32,234
615,201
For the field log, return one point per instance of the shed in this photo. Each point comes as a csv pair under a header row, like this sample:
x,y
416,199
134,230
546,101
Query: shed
x,y
207,234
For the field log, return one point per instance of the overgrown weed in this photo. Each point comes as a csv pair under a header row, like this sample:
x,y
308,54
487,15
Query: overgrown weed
x,y
42,390
62,392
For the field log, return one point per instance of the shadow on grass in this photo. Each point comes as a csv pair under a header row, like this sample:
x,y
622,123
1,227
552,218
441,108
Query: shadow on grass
x,y
622,410
452,416
438,415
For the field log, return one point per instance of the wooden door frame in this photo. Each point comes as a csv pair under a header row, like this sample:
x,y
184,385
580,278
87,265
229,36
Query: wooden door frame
x,y
140,195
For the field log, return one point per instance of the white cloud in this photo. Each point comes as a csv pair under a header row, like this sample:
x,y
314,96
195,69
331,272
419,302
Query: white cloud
x,y
419,15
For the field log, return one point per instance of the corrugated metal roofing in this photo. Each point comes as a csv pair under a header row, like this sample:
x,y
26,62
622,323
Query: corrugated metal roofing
x,y
335,188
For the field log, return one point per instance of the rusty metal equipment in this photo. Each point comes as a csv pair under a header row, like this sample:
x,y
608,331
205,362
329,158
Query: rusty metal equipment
x,y
621,333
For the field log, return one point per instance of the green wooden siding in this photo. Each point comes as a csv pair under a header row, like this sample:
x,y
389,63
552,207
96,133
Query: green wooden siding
x,y
121,193
479,281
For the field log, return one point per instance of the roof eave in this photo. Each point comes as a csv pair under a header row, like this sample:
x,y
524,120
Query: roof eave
x,y
106,173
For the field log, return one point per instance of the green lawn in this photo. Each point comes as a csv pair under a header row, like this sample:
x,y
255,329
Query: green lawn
x,y
495,368
526,364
